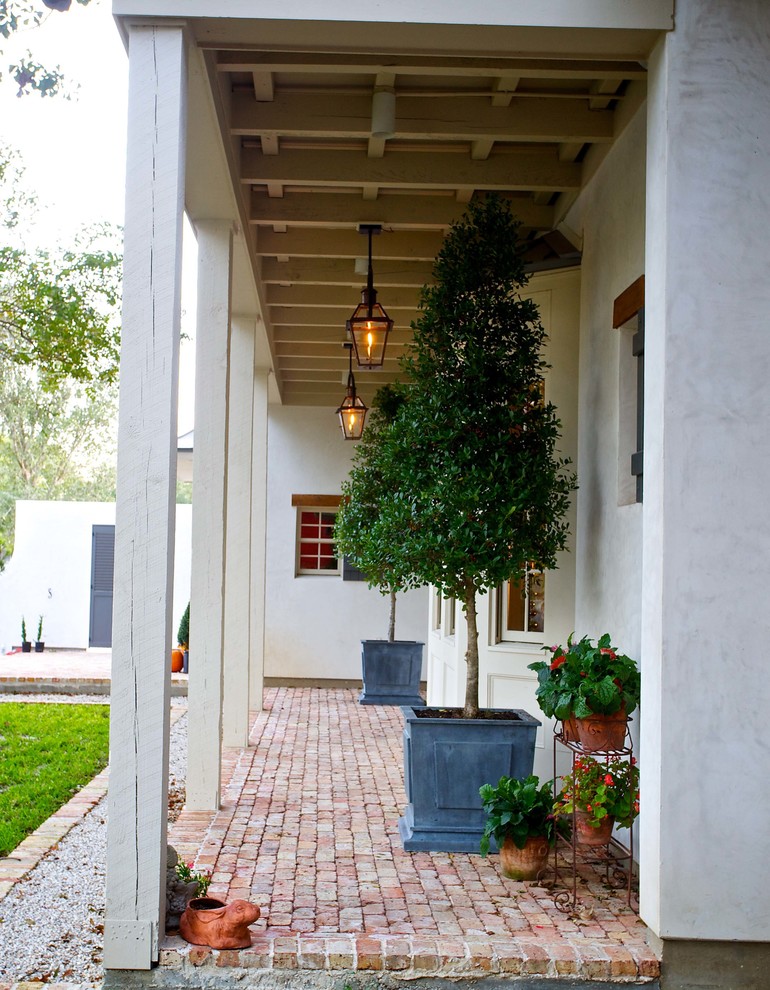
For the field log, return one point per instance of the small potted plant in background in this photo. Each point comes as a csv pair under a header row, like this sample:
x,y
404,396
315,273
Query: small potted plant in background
x,y
183,638
39,644
593,684
522,821
600,795
26,645
363,533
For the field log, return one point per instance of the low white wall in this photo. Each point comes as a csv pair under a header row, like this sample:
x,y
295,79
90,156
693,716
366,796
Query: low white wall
x,y
50,571
315,624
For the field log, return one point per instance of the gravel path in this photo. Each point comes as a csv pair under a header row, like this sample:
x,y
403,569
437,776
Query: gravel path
x,y
52,922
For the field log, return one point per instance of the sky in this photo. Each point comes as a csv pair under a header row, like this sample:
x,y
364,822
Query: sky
x,y
74,150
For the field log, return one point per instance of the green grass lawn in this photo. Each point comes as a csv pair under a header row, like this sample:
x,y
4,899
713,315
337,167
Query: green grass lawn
x,y
47,753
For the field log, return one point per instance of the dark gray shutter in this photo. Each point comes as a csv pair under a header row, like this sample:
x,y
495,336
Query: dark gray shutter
x,y
102,571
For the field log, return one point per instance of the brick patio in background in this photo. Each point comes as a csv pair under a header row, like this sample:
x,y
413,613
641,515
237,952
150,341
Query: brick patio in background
x,y
308,830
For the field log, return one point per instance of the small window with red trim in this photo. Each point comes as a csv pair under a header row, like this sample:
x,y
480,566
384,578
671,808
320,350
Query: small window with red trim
x,y
315,544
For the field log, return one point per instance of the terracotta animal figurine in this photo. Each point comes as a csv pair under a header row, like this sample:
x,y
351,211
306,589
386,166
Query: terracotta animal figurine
x,y
207,921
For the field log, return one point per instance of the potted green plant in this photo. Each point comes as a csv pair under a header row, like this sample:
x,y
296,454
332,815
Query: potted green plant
x,y
478,494
600,794
26,645
183,638
522,822
391,668
592,684
39,644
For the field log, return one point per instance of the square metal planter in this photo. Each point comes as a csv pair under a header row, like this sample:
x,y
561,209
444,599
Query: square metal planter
x,y
446,760
391,672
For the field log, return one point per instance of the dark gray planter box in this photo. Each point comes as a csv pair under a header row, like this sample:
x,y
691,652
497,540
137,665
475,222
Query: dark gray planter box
x,y
446,760
391,672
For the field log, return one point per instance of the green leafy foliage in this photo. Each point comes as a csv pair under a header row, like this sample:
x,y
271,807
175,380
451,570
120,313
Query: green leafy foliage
x,y
58,307
602,790
29,74
47,753
519,809
188,874
53,444
586,678
368,525
59,338
476,486
183,633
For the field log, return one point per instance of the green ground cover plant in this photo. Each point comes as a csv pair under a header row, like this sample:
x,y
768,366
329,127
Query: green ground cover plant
x,y
47,753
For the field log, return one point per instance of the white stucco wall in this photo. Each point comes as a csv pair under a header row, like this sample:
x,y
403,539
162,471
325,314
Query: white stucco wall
x,y
314,624
610,217
50,571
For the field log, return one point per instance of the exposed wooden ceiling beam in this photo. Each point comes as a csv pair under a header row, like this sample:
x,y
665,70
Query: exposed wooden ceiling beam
x,y
304,317
300,242
319,115
354,64
334,333
334,295
402,212
524,170
333,271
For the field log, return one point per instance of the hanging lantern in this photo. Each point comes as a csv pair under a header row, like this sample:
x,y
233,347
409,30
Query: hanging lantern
x,y
352,411
369,325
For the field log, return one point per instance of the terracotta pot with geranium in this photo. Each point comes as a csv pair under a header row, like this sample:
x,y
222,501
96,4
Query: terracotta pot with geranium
x,y
600,795
592,684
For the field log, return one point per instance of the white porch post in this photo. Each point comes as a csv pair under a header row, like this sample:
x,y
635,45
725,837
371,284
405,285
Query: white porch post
x,y
705,842
258,538
207,595
235,700
144,535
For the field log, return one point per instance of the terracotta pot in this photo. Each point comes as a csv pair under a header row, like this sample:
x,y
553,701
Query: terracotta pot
x,y
600,733
207,921
526,863
177,661
587,834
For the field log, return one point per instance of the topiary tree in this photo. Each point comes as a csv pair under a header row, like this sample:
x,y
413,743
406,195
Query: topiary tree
x,y
478,489
183,633
363,530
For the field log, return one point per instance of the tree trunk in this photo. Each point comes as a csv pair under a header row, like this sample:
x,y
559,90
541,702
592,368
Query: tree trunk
x,y
392,619
471,709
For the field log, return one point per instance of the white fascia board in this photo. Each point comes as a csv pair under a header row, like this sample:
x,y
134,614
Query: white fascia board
x,y
626,15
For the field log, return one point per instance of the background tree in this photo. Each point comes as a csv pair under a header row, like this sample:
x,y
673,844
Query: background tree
x,y
53,444
363,528
477,467
58,308
23,15
59,338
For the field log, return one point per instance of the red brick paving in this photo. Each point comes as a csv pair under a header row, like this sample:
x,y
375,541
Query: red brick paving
x,y
309,831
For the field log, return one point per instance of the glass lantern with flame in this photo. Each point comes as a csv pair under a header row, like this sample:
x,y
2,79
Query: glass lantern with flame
x,y
351,411
369,325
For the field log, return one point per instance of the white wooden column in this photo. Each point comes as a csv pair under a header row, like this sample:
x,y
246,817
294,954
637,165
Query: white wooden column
x,y
258,538
209,515
705,841
235,699
146,496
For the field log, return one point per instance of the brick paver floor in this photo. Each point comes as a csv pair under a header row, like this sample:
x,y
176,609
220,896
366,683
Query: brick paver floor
x,y
309,831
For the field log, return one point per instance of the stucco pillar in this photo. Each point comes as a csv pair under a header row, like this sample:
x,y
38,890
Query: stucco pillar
x,y
235,700
705,843
146,496
258,539
209,515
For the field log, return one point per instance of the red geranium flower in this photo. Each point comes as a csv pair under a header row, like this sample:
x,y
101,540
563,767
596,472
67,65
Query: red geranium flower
x,y
558,661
